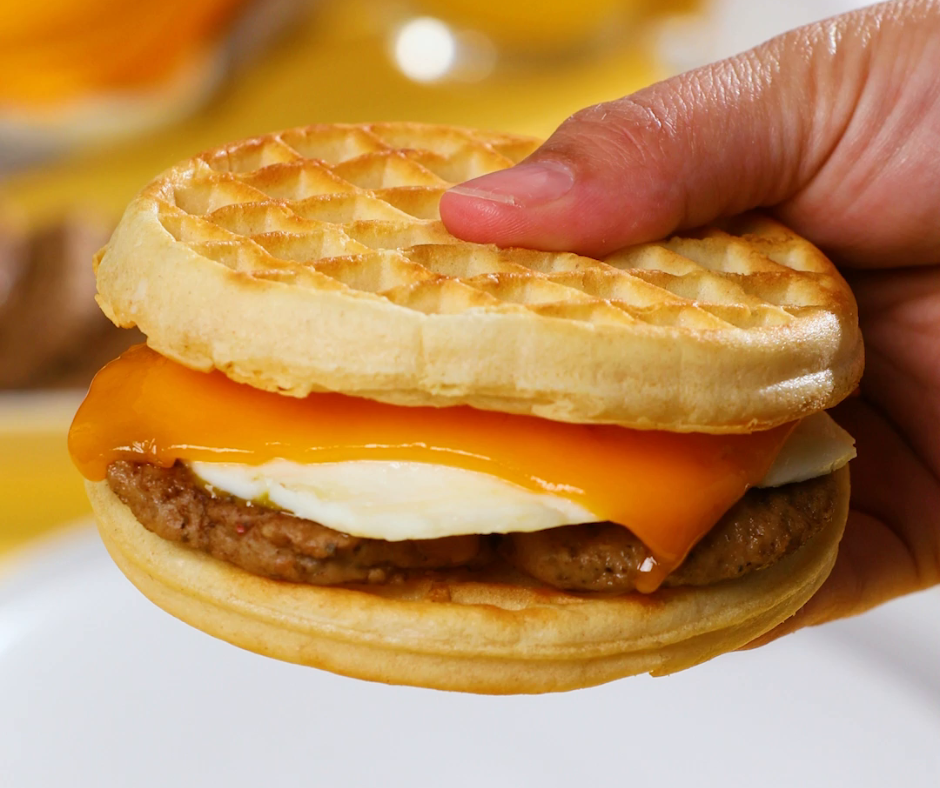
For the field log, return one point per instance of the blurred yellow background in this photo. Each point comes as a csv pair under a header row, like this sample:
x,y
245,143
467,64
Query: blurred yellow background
x,y
336,66
39,486
336,62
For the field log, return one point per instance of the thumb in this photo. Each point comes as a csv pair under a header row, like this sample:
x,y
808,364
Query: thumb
x,y
745,132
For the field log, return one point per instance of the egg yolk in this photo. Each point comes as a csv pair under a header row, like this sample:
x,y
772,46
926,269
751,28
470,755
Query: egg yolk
x,y
669,489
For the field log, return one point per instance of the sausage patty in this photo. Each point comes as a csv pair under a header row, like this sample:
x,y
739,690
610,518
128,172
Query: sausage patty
x,y
760,529
763,527
171,503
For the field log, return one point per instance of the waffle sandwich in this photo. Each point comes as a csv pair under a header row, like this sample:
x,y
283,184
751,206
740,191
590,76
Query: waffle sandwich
x,y
356,442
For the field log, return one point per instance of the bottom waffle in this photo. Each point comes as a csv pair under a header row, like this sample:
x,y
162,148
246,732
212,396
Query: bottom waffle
x,y
494,637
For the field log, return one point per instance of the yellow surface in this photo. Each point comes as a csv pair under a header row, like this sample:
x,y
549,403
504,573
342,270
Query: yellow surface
x,y
39,486
335,66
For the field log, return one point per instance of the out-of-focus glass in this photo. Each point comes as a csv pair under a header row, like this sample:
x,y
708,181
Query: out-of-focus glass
x,y
75,73
470,40
61,49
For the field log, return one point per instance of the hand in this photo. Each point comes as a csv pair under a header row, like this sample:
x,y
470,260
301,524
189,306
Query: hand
x,y
835,128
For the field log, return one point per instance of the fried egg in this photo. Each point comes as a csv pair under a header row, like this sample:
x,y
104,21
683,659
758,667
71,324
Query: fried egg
x,y
418,500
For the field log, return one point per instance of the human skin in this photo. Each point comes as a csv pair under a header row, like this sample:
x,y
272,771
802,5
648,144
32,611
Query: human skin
x,y
835,129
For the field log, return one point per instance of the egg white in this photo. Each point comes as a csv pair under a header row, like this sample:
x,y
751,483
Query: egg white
x,y
414,500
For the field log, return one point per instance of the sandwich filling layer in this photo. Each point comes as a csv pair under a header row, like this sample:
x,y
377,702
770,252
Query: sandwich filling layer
x,y
763,527
380,472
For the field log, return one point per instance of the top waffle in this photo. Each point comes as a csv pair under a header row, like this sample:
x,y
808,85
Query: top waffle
x,y
315,259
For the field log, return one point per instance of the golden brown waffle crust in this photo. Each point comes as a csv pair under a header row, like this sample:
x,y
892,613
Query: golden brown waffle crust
x,y
466,636
314,259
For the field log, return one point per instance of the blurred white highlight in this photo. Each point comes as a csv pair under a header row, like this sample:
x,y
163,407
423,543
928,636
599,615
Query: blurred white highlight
x,y
425,49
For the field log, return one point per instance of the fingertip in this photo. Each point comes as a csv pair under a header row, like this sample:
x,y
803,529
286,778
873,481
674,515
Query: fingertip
x,y
478,220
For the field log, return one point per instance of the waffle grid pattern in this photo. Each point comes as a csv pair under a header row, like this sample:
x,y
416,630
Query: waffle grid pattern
x,y
354,208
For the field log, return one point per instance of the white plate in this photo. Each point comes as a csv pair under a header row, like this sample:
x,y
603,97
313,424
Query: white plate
x,y
99,687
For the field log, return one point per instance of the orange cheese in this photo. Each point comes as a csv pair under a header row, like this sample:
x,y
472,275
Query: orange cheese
x,y
667,488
